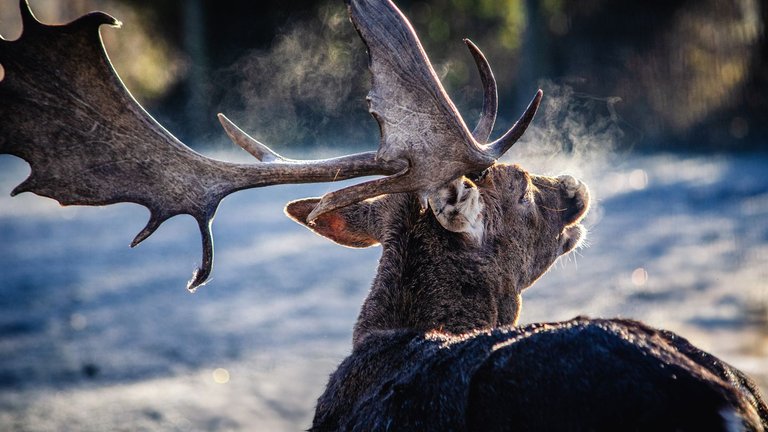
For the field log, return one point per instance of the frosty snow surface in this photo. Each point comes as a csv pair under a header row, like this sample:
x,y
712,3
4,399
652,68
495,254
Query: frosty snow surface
x,y
97,336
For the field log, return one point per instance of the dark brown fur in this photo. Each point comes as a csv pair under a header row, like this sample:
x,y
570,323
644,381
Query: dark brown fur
x,y
579,375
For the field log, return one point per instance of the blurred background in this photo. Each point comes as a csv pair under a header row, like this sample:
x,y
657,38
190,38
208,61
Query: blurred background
x,y
678,74
660,106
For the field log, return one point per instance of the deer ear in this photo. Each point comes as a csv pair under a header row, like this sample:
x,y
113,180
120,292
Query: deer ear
x,y
459,208
348,226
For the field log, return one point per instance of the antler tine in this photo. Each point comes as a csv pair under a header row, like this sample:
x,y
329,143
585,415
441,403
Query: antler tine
x,y
400,182
497,148
286,170
247,143
27,17
484,127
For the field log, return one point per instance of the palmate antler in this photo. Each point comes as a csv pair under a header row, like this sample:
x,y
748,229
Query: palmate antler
x,y
417,119
64,110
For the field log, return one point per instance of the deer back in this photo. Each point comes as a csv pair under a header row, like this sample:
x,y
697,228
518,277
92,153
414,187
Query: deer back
x,y
578,375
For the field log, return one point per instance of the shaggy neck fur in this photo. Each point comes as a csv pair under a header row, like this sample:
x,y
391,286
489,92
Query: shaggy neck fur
x,y
428,279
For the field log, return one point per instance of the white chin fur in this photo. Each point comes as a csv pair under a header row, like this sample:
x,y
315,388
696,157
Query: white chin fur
x,y
465,213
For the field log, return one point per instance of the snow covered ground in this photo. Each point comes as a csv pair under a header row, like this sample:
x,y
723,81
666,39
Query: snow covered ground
x,y
95,336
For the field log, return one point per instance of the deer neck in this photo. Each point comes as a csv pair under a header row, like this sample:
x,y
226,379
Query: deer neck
x,y
428,280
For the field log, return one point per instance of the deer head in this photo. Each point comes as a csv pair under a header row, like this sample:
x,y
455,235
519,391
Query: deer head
x,y
462,265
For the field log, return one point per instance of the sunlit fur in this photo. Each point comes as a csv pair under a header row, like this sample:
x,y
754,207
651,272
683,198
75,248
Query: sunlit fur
x,y
459,208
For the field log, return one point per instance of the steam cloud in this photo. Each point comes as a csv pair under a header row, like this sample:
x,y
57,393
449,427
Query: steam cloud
x,y
573,132
300,89
309,88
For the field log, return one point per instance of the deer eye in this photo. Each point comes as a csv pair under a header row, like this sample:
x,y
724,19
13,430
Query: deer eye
x,y
524,199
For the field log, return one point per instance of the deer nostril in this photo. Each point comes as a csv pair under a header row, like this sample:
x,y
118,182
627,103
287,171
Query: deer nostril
x,y
453,197
573,210
575,196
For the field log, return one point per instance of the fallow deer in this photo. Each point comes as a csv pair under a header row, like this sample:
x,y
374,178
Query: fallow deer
x,y
435,346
